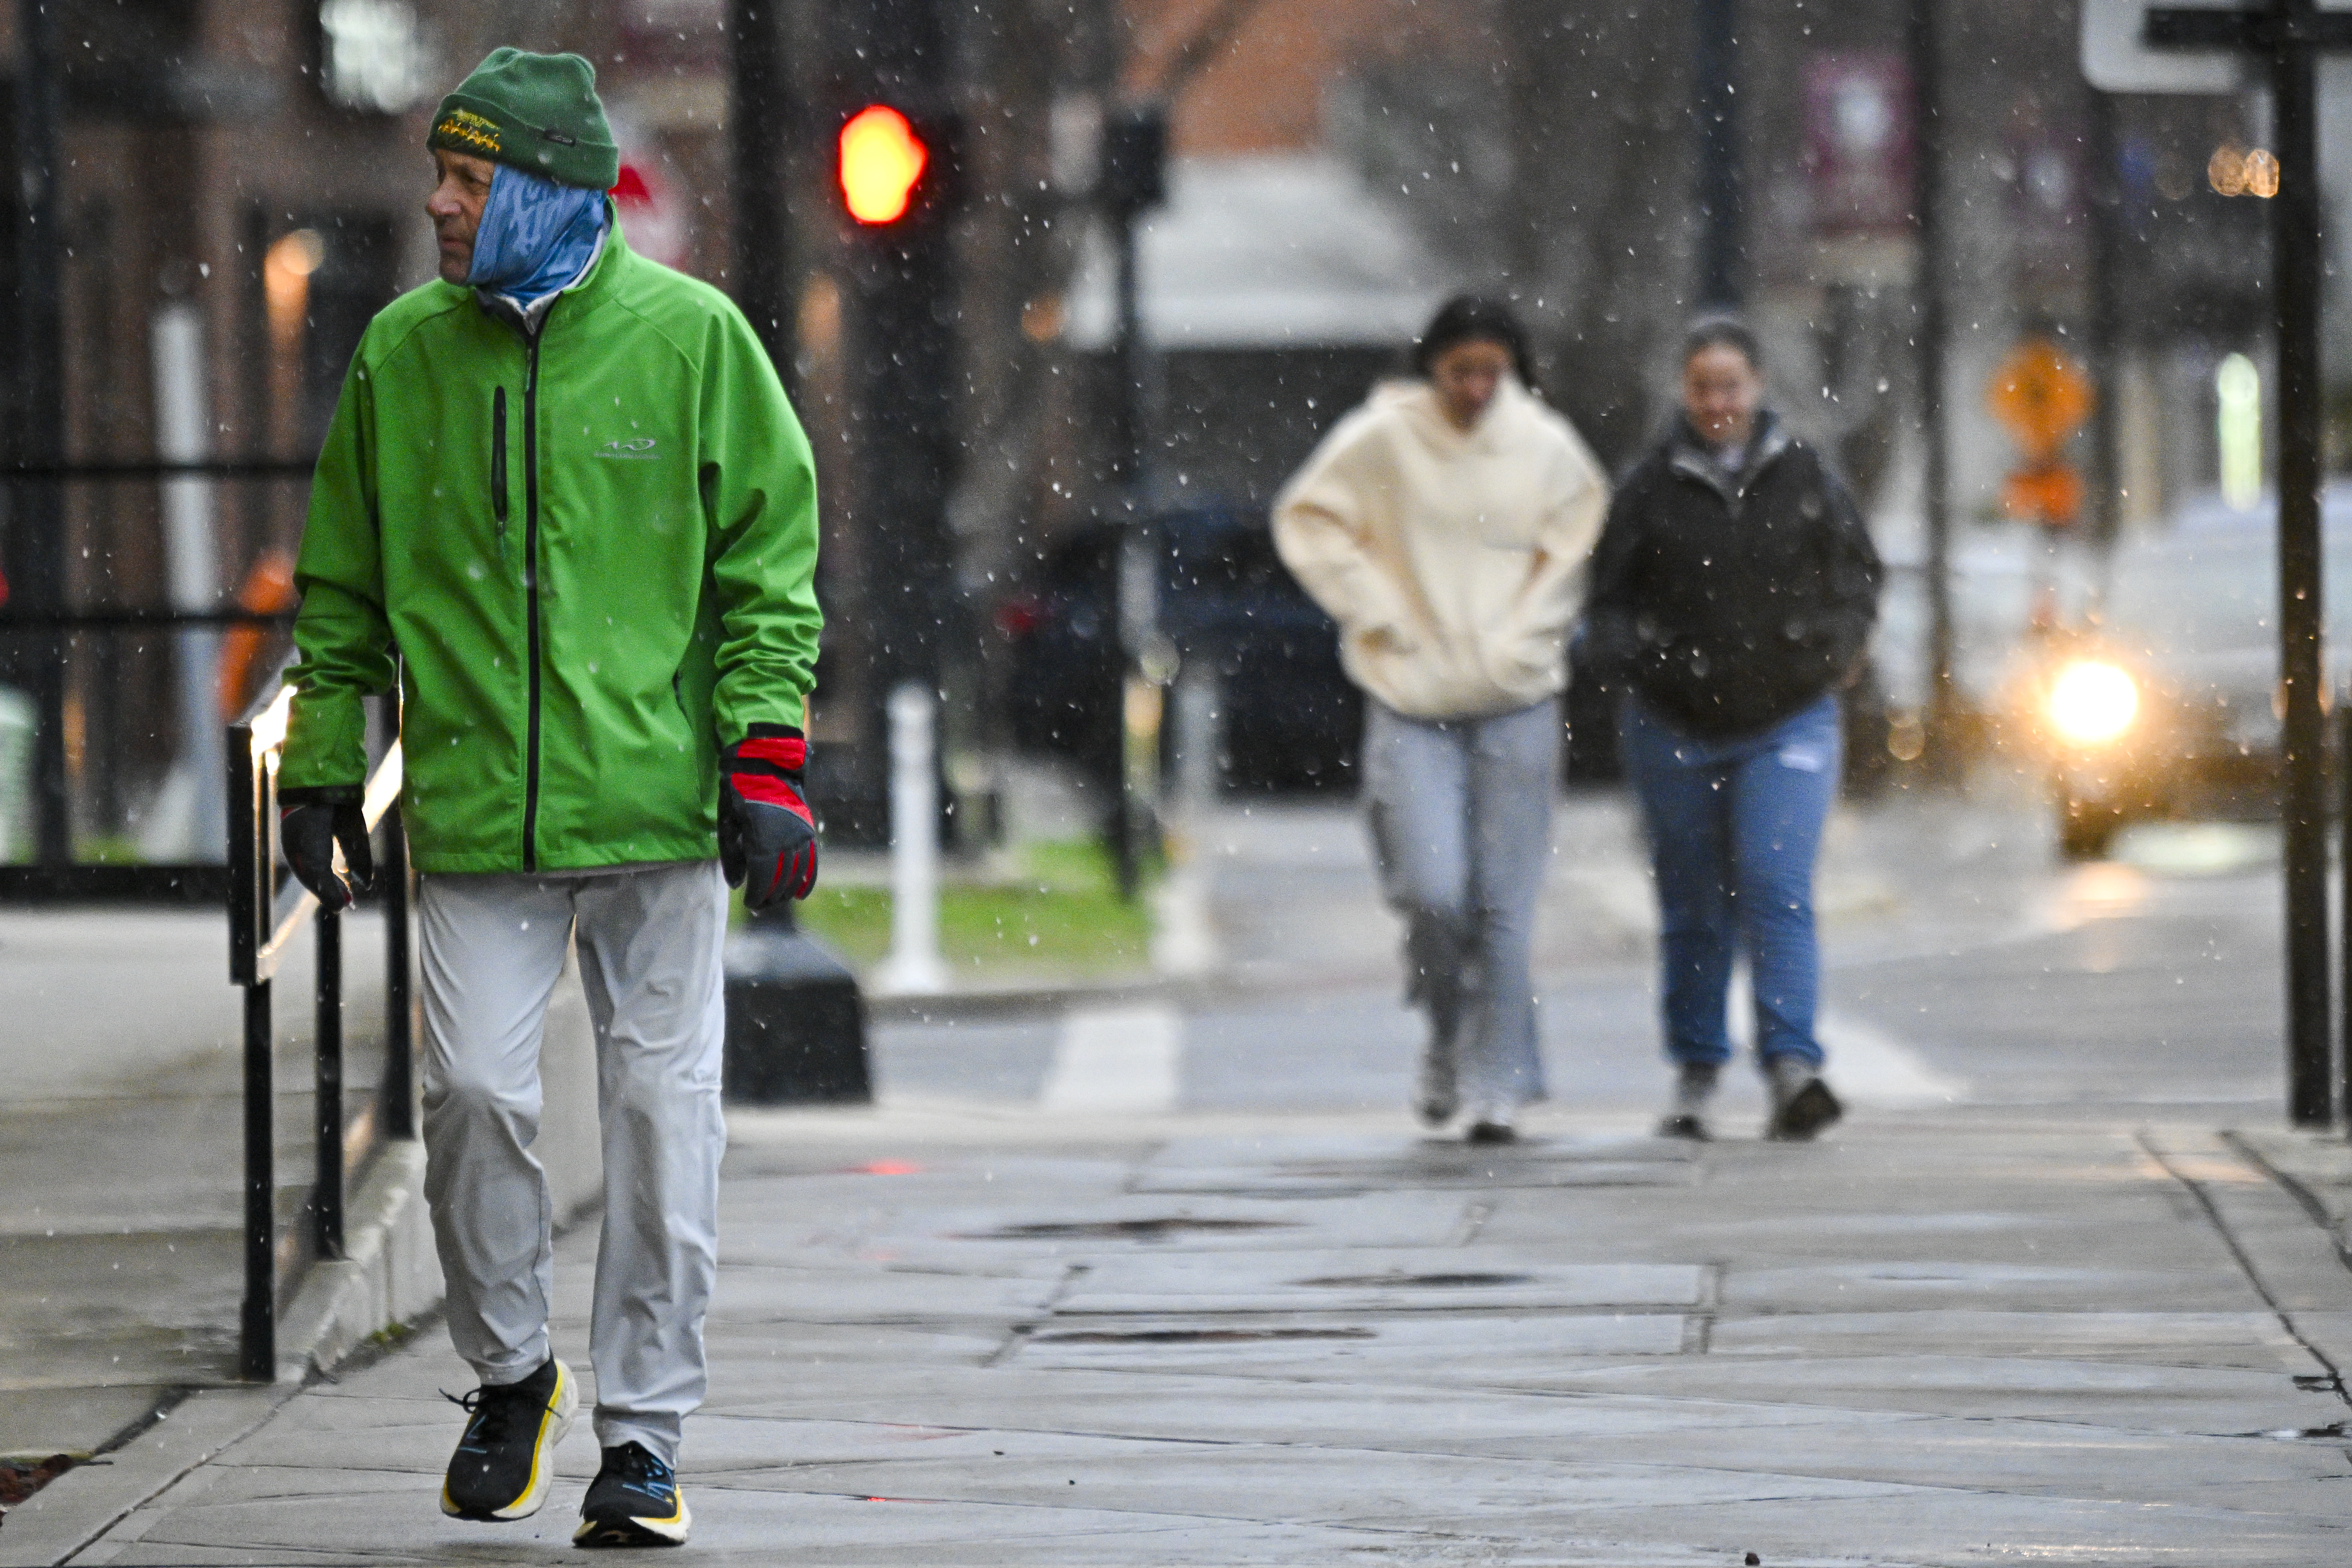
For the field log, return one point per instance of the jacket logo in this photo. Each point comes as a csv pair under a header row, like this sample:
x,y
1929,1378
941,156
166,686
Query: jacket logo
x,y
641,448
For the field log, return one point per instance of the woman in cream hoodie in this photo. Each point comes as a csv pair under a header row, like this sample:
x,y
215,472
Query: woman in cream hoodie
x,y
1445,526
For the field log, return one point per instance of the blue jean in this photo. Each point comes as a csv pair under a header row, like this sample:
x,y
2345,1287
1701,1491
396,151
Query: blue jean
x,y
1734,829
1461,819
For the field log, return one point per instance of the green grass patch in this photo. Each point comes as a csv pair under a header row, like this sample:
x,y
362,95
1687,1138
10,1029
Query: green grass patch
x,y
1062,915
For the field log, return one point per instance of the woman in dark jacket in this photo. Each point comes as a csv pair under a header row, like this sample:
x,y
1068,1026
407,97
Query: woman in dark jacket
x,y
1732,595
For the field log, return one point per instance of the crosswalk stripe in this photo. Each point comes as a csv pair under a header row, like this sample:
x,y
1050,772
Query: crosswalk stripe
x,y
1126,1058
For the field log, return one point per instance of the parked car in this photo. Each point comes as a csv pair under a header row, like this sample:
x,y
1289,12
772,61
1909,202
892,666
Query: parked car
x,y
2166,702
1290,718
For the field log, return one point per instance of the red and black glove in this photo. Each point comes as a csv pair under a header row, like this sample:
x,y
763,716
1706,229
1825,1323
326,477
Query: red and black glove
x,y
767,834
311,823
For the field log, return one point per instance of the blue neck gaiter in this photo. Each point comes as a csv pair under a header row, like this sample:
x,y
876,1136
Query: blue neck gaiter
x,y
535,236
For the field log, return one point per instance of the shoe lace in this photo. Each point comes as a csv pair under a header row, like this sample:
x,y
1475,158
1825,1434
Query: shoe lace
x,y
642,1470
493,1410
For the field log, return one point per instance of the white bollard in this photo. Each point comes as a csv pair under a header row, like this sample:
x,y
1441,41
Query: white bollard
x,y
914,964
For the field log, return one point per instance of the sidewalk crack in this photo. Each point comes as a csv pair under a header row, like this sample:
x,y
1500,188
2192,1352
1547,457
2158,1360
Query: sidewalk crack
x,y
2334,1381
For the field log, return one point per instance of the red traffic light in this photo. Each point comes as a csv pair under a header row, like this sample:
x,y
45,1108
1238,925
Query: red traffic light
x,y
881,160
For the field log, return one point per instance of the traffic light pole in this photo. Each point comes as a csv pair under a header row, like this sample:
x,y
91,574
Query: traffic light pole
x,y
901,341
762,131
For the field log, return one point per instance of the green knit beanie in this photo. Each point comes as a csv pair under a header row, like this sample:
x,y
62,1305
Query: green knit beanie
x,y
539,114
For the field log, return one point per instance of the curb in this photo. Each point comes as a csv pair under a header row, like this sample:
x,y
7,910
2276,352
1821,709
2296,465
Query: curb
x,y
389,1274
65,1517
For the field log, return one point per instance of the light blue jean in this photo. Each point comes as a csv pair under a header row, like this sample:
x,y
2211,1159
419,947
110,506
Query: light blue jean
x,y
1461,819
1734,829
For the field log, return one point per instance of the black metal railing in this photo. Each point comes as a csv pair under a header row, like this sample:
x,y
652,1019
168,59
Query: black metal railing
x,y
96,680
264,918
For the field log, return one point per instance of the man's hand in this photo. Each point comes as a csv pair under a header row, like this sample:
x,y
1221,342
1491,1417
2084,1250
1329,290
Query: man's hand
x,y
767,834
309,830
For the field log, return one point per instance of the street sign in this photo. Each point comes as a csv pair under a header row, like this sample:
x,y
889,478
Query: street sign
x,y
2117,57
2040,396
2050,496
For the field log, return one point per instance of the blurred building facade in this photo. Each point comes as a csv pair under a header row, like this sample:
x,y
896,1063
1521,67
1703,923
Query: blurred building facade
x,y
260,171
1340,165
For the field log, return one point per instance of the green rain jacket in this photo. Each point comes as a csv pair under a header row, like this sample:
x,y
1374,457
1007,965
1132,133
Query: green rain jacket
x,y
589,558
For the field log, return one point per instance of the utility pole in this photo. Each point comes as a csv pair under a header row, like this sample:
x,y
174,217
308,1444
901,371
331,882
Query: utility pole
x,y
2106,346
1723,241
2289,34
763,133
1133,181
1944,752
36,515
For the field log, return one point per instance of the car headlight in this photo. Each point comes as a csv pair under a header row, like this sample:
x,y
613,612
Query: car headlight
x,y
2092,702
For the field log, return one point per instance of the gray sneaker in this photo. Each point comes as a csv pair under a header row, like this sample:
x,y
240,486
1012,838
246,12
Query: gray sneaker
x,y
1694,1088
1436,1098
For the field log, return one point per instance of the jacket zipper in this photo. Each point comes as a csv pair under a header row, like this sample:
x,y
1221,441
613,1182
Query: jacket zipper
x,y
530,596
498,464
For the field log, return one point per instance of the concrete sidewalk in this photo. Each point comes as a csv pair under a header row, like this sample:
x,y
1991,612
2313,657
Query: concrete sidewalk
x,y
958,1338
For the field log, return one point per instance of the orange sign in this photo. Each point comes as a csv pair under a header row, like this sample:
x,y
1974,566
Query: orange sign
x,y
2041,396
2050,496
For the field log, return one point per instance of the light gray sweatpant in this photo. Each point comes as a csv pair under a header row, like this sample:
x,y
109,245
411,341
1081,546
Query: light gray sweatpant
x,y
492,948
1461,817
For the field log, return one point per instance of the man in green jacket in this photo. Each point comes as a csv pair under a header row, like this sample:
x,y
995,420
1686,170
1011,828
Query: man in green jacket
x,y
565,505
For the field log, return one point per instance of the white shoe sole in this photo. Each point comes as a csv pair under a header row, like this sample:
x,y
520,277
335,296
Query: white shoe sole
x,y
663,1532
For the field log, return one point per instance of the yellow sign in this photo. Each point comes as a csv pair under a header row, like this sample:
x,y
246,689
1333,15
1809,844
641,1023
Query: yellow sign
x,y
2041,397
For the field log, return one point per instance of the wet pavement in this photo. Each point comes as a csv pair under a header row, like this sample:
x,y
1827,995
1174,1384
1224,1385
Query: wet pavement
x,y
1941,1336
1174,1278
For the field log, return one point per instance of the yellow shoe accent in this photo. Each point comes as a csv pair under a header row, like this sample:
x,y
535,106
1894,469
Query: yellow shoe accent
x,y
554,1421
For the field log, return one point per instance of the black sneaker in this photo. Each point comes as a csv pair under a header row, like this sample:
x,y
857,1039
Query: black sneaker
x,y
1484,1132
507,1457
634,1501
1804,1114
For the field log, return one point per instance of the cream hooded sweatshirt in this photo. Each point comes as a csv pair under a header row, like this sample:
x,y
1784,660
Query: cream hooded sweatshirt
x,y
1454,560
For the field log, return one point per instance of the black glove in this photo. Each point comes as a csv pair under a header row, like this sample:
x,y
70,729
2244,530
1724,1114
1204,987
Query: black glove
x,y
308,828
766,831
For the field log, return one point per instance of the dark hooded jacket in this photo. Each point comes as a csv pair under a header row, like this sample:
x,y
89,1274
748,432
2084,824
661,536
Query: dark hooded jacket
x,y
1730,601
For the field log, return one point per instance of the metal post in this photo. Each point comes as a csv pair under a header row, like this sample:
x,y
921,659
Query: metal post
x,y
258,1336
1127,471
327,1107
760,129
1926,77
2106,335
397,1098
1133,182
2344,763
2295,268
1716,102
